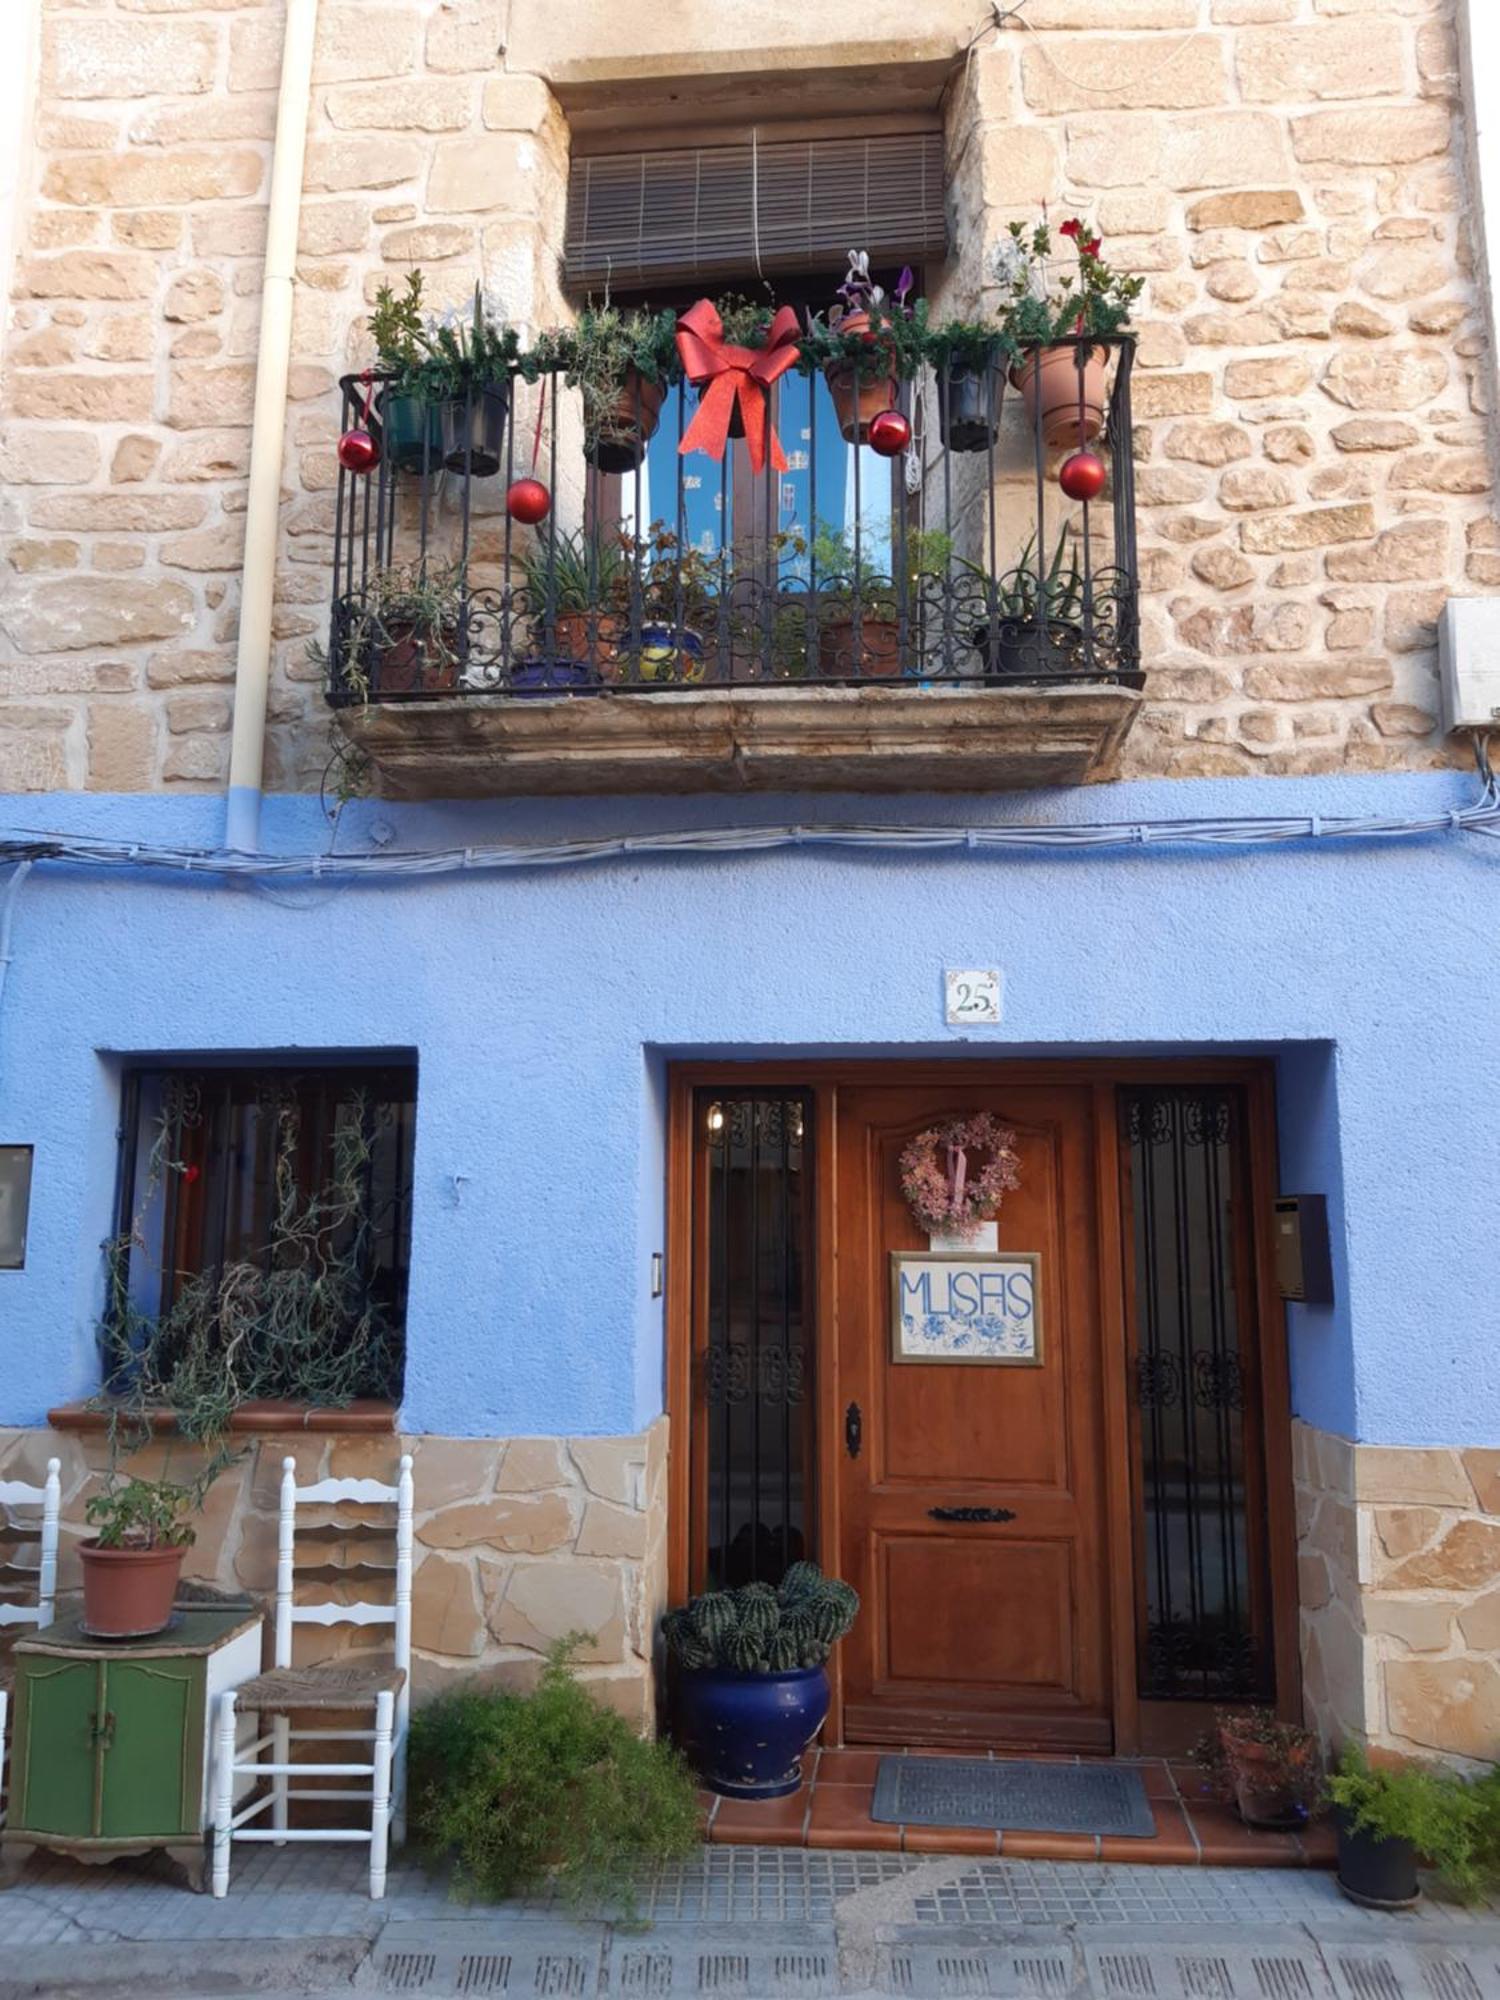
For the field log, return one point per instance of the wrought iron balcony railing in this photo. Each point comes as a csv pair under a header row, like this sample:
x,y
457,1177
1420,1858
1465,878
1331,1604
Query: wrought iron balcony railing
x,y
958,559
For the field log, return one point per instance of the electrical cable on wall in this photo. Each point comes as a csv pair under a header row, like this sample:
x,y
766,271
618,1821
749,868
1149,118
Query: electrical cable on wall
x,y
1481,816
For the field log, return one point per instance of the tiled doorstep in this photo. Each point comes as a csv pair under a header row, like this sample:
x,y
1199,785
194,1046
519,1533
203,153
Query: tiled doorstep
x,y
833,1810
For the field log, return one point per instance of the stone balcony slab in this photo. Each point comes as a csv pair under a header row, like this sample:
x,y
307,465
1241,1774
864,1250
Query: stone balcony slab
x,y
894,737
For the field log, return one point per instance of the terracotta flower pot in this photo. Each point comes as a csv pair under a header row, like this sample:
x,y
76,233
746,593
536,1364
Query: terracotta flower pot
x,y
1049,380
128,1593
859,396
591,638
876,657
1267,1793
413,662
629,425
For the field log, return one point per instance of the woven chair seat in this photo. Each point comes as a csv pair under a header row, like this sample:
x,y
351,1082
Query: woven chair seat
x,y
318,1687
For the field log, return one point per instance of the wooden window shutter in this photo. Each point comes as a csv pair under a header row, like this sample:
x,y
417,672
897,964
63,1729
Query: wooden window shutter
x,y
639,220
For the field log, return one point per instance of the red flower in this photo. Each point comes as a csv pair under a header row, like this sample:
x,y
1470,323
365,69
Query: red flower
x,y
1091,248
1071,227
190,1174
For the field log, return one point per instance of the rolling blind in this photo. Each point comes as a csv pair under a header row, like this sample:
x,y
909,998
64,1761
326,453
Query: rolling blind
x,y
645,219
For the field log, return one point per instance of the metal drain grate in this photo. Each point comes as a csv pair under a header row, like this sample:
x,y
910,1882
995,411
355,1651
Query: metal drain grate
x,y
407,1971
1451,1981
561,1976
1042,1977
1206,1979
484,1972
646,1973
1282,1979
804,1972
898,1974
963,1973
1126,1973
726,1972
1372,1979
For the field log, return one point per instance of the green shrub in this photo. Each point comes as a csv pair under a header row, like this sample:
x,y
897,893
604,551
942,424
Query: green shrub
x,y
1453,1823
520,1788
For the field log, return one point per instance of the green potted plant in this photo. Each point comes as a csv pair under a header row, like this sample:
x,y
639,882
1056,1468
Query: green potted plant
x,y
132,1562
403,634
866,346
622,362
574,588
849,582
408,422
752,1691
1266,1768
966,357
1047,323
465,373
523,1790
1389,1818
1037,623
673,588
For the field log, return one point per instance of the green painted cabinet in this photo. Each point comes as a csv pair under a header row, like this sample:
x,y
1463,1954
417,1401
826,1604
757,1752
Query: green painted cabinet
x,y
110,1744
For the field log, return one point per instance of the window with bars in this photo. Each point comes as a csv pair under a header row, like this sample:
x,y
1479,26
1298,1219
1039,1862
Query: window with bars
x,y
263,1223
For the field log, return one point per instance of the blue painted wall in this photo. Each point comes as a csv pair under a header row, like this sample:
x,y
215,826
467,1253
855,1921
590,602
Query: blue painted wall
x,y
543,1008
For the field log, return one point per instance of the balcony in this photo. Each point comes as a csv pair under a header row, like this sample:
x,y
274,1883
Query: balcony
x,y
914,605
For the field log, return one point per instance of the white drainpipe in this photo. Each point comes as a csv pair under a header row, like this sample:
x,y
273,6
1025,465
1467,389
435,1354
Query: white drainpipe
x,y
252,668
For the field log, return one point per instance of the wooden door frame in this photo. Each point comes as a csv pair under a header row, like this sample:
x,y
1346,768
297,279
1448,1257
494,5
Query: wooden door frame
x,y
822,1080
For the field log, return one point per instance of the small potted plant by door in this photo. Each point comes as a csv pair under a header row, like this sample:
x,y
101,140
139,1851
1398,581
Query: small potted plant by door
x,y
1266,1768
966,356
752,1691
866,345
1037,628
132,1562
409,424
1390,1818
1051,324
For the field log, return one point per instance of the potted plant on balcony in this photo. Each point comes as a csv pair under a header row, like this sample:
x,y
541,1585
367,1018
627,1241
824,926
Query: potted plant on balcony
x,y
574,587
859,625
465,373
403,634
1047,325
412,434
866,346
752,1692
132,1562
1266,1768
671,588
965,356
1037,627
621,362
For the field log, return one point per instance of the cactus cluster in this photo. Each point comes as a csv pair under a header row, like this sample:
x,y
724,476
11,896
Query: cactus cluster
x,y
758,1630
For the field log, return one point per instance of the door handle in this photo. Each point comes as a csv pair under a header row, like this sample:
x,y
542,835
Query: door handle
x,y
853,1430
970,1514
104,1730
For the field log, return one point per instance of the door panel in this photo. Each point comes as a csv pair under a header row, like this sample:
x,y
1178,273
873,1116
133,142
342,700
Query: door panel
x,y
56,1759
985,1631
157,1711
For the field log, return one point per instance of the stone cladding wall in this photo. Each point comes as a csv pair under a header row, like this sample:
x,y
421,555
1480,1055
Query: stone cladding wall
x,y
1399,1563
1313,473
519,1542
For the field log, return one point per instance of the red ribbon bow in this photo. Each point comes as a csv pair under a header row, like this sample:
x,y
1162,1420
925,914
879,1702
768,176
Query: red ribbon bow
x,y
730,376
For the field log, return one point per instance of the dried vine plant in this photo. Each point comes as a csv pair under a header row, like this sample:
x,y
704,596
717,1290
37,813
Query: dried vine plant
x,y
294,1322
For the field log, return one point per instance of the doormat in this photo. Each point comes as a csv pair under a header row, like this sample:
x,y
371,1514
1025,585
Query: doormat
x,y
1027,1798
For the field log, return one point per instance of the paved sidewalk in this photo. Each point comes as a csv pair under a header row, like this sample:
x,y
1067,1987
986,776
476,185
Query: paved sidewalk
x,y
742,1924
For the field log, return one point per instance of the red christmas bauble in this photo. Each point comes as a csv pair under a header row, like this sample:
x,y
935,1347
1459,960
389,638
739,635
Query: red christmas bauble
x,y
890,433
1083,475
358,451
529,501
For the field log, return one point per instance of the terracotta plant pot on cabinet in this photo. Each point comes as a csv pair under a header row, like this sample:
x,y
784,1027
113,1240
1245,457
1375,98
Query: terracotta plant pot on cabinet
x,y
128,1593
1048,380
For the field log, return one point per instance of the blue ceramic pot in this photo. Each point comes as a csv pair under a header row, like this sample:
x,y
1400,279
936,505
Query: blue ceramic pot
x,y
744,1734
535,677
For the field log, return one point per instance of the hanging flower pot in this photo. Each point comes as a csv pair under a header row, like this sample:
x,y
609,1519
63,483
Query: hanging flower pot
x,y
860,392
969,402
1050,385
627,425
473,430
412,432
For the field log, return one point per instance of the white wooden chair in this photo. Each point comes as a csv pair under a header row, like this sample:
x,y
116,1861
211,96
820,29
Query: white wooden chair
x,y
20,1493
238,1796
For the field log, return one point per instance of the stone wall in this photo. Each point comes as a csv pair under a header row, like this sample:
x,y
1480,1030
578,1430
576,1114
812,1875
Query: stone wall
x,y
1399,1561
518,1543
1313,475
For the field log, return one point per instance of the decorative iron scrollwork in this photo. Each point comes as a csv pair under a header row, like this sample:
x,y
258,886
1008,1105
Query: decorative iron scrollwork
x,y
733,1373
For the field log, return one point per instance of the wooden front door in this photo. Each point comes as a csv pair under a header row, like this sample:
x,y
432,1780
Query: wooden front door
x,y
992,1631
